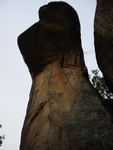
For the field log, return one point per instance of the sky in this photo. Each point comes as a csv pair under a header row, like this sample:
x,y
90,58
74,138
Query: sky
x,y
15,82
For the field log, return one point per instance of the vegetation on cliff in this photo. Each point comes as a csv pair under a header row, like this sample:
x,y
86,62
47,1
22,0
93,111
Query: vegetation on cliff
x,y
99,84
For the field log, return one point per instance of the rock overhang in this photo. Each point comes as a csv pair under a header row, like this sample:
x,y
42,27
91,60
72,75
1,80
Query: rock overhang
x,y
46,40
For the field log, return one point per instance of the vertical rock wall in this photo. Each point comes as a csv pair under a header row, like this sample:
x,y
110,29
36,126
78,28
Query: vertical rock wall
x,y
103,32
64,111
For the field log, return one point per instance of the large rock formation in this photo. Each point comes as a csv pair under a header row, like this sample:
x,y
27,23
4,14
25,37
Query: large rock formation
x,y
64,111
103,31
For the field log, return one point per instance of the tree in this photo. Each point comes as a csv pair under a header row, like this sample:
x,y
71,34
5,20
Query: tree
x,y
1,137
99,84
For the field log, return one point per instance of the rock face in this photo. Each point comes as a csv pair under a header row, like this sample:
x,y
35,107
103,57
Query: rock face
x,y
64,111
103,32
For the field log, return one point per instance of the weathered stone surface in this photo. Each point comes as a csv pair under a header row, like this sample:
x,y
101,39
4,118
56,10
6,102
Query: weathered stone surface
x,y
103,32
64,111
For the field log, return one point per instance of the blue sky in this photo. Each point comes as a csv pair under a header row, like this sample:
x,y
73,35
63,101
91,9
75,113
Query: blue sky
x,y
15,81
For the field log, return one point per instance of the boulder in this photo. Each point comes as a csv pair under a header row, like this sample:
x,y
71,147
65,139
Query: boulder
x,y
64,110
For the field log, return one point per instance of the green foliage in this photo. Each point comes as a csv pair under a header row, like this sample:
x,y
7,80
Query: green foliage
x,y
1,137
99,84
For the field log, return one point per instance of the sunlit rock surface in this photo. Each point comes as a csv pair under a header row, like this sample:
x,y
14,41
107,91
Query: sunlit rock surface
x,y
64,111
103,31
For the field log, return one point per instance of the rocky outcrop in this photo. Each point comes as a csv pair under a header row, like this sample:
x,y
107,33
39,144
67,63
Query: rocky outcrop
x,y
64,111
103,32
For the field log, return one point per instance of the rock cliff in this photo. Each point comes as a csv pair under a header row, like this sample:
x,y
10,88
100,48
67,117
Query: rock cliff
x,y
103,32
64,111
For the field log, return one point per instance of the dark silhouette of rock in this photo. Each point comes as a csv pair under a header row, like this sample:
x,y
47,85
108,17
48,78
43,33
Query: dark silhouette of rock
x,y
64,111
103,32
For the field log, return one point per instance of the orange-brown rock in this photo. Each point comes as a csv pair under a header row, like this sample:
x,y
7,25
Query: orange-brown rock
x,y
103,31
64,111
